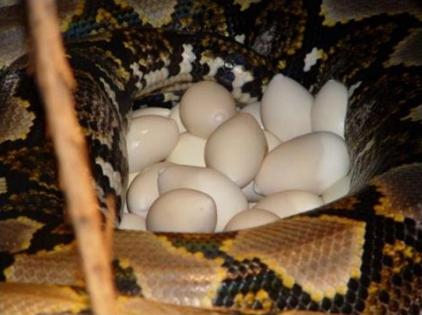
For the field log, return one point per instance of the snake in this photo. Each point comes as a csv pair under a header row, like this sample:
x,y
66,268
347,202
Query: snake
x,y
360,254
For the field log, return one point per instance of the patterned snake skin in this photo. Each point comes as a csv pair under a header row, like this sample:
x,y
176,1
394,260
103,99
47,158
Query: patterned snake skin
x,y
361,254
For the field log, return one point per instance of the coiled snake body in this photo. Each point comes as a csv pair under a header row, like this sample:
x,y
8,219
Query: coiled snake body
x,y
359,255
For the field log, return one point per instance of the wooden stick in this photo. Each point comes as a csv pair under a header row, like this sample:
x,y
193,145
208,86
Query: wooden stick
x,y
56,82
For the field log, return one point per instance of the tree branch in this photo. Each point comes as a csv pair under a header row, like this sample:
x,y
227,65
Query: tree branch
x,y
56,82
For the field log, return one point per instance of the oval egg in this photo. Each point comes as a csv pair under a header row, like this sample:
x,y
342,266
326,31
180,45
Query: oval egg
x,y
188,151
183,210
150,139
237,148
291,202
227,195
250,218
286,108
311,162
329,108
143,190
205,106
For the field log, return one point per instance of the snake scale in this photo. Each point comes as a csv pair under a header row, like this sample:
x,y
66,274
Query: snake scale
x,y
361,254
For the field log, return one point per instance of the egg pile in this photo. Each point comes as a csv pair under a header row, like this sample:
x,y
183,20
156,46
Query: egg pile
x,y
208,166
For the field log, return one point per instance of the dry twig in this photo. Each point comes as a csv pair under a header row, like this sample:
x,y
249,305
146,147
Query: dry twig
x,y
56,82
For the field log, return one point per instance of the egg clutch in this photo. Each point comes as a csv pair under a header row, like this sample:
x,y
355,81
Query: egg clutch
x,y
207,166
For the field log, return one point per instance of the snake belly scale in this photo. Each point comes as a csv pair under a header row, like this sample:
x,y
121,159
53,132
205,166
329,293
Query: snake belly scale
x,y
361,254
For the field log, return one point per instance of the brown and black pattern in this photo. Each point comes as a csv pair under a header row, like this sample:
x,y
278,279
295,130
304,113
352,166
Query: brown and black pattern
x,y
361,254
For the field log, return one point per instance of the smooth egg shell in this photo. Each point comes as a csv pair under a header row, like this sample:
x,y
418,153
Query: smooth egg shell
x,y
287,203
337,190
237,148
329,108
150,139
183,210
188,151
143,190
286,108
175,115
255,110
250,193
158,111
131,221
311,162
205,106
226,194
272,141
250,218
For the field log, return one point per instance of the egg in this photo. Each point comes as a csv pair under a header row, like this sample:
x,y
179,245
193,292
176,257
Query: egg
x,y
312,162
188,151
205,106
226,194
175,115
150,139
286,108
250,218
237,148
158,111
183,210
272,141
255,110
131,221
329,108
143,190
337,190
250,193
290,202
131,177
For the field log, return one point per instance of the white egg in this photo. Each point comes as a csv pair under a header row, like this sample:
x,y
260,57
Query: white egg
x,y
226,194
250,193
143,191
183,210
311,162
250,218
205,106
188,151
329,108
158,111
290,202
337,190
131,221
125,208
237,148
175,115
255,110
272,141
131,177
286,108
150,139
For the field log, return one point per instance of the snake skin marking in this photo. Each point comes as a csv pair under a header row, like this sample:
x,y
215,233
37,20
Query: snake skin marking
x,y
17,120
342,244
342,11
312,58
3,185
358,255
17,233
404,52
415,114
113,176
